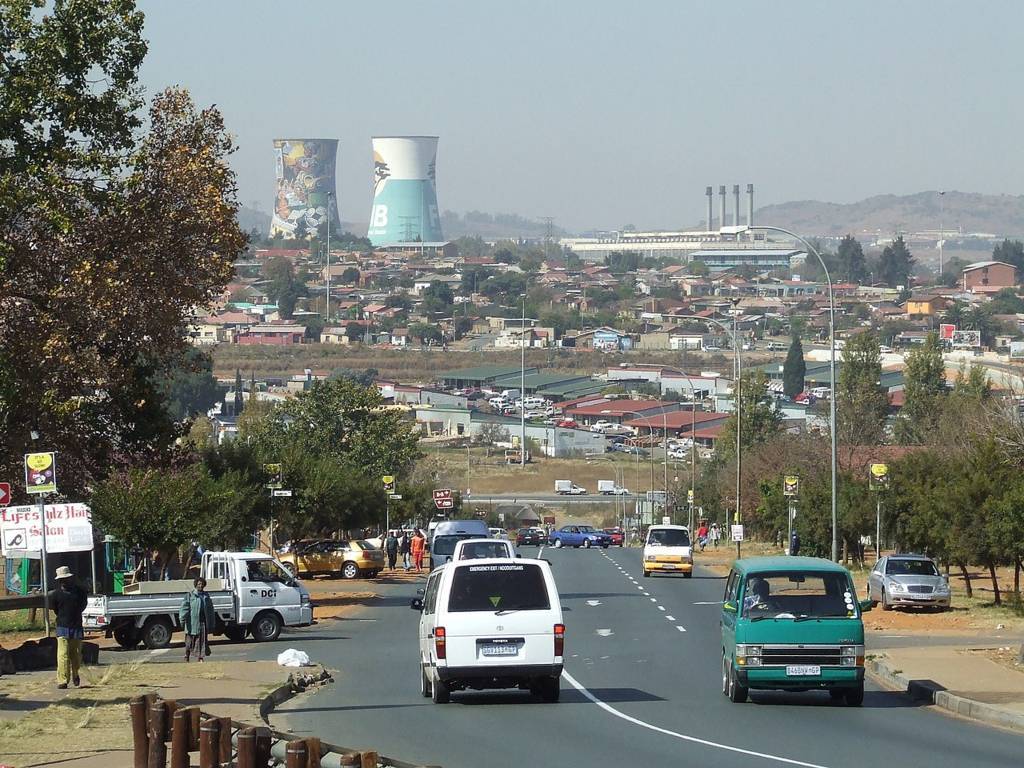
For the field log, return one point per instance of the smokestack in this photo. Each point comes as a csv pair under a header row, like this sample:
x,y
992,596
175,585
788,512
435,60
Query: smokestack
x,y
750,205
404,191
710,194
736,204
721,208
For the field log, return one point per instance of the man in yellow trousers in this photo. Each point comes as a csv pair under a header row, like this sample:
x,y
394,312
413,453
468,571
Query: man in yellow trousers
x,y
68,601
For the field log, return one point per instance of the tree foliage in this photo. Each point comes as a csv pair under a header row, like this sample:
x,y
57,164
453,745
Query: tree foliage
x,y
924,385
861,403
896,264
794,370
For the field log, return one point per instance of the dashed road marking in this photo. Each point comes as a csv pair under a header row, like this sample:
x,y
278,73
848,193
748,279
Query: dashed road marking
x,y
661,607
604,632
654,599
671,618
680,628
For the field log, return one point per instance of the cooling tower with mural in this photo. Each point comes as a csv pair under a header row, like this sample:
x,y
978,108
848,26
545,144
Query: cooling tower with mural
x,y
304,169
404,191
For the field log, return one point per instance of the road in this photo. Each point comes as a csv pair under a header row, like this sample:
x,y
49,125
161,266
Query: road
x,y
642,687
532,497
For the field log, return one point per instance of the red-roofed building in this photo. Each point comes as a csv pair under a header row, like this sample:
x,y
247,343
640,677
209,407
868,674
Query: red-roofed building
x,y
618,411
679,423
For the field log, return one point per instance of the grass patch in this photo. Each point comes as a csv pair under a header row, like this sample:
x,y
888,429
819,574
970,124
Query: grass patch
x,y
20,621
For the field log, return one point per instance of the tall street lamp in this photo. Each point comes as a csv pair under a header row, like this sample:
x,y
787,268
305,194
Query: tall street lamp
x,y
832,363
522,387
327,313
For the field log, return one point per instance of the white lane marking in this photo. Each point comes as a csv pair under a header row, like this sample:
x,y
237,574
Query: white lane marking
x,y
682,736
654,599
710,602
593,602
640,587
671,618
540,551
159,651
680,628
661,607
604,632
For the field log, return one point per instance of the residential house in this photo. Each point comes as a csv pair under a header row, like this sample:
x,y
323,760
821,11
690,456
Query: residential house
x,y
602,339
277,334
400,337
988,276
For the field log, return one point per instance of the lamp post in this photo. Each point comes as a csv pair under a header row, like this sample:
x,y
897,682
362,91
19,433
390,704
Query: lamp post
x,y
650,426
327,313
522,387
832,363
942,236
620,502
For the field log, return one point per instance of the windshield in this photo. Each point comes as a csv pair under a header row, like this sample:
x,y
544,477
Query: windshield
x,y
668,537
586,528
445,545
266,571
475,550
911,568
795,595
364,545
499,587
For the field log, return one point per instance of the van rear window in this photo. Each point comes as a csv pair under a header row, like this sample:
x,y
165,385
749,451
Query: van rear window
x,y
498,587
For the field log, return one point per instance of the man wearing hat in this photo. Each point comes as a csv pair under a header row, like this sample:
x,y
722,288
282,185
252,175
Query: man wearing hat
x,y
68,601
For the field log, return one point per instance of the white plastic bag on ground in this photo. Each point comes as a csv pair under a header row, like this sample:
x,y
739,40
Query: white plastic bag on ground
x,y
293,658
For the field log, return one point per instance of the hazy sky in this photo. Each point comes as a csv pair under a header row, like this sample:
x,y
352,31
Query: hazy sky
x,y
602,114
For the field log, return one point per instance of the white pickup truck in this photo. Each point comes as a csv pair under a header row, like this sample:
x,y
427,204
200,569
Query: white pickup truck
x,y
252,594
568,488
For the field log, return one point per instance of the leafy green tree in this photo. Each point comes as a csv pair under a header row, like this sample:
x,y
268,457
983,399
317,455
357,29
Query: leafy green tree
x,y
1006,302
438,297
794,370
759,421
1011,252
896,264
191,387
925,386
623,261
364,378
426,332
851,262
861,403
350,276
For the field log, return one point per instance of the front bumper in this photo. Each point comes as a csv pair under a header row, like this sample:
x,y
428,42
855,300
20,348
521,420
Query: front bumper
x,y
668,567
914,598
775,678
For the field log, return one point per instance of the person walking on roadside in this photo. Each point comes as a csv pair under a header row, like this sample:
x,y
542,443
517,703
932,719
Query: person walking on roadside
x,y
404,546
68,601
702,535
197,619
391,548
417,547
794,544
716,535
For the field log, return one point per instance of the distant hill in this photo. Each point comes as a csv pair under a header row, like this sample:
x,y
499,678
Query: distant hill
x,y
250,219
1001,215
492,226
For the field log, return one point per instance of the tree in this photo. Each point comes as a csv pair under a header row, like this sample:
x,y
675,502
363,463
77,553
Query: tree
x,y
426,332
759,419
350,276
1005,302
191,387
896,264
924,385
1011,252
851,262
438,297
623,261
861,403
794,370
699,269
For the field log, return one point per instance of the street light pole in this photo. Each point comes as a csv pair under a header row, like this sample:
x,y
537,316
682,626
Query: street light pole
x,y
739,416
832,366
327,313
522,388
942,237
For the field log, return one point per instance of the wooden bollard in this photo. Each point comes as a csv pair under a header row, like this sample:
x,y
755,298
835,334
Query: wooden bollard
x,y
264,741
296,754
225,740
158,736
195,718
313,752
370,759
351,759
180,738
209,743
140,731
246,748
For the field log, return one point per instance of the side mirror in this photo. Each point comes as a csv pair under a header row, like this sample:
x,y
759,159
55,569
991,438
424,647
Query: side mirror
x,y
416,604
729,607
865,606
518,555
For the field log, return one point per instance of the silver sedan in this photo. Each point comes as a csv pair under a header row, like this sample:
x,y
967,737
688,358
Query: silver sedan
x,y
908,580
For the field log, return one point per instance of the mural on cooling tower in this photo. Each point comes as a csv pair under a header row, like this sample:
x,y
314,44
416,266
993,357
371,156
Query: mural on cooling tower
x,y
404,191
304,169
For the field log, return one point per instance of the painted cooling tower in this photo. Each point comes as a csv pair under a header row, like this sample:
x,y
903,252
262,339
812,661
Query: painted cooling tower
x,y
304,170
404,193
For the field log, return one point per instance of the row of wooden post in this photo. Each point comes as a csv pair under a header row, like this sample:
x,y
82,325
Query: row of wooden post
x,y
157,722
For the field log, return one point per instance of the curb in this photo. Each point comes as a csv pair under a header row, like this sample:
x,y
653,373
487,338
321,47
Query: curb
x,y
297,683
930,692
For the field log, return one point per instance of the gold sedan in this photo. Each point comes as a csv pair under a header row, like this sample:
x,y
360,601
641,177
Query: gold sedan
x,y
350,559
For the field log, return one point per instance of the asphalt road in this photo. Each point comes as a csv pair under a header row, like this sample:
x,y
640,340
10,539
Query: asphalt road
x,y
642,687
532,497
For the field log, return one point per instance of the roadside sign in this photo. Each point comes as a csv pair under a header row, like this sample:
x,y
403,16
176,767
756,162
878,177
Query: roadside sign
x,y
791,485
442,493
442,503
279,492
549,519
68,529
666,520
946,331
689,496
878,477
389,482
737,533
274,476
5,494
395,496
657,497
40,473
968,339
1017,350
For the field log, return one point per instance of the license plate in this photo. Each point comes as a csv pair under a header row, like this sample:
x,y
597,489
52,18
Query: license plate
x,y
499,650
803,670
668,566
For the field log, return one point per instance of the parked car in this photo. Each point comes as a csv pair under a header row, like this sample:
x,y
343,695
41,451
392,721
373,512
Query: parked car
x,y
821,393
498,533
567,424
530,537
579,536
678,453
616,535
349,559
463,645
603,426
479,549
908,580
814,639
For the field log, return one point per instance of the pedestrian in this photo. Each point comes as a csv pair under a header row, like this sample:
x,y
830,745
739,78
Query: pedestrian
x,y
68,601
716,535
197,619
403,549
417,546
702,535
794,544
391,548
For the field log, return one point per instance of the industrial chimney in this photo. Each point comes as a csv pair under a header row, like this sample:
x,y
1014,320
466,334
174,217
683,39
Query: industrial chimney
x,y
721,209
750,205
736,204
404,191
709,191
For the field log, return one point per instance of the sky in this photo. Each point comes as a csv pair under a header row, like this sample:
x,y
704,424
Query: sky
x,y
607,114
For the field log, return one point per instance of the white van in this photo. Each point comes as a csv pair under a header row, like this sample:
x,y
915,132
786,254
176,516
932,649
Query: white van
x,y
448,533
493,623
477,549
667,549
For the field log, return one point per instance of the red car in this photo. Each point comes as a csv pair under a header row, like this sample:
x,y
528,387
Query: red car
x,y
618,536
567,424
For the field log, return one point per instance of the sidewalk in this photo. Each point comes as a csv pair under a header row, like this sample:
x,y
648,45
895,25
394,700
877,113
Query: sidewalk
x,y
962,680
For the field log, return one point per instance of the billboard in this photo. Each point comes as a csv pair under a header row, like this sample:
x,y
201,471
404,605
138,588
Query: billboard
x,y
305,197
404,191
1017,350
68,529
946,331
963,339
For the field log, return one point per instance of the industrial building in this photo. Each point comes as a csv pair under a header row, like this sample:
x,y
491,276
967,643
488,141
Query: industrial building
x,y
305,195
404,191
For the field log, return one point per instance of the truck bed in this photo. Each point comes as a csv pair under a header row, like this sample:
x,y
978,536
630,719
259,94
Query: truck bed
x,y
168,603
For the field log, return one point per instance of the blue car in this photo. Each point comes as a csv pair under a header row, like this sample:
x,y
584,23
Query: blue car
x,y
579,536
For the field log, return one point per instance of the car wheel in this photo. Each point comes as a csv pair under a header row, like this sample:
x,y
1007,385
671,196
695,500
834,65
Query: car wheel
x,y
604,546
425,691
550,690
266,627
127,636
586,544
855,696
737,693
558,543
885,603
725,675
688,575
349,571
439,692
156,633
647,574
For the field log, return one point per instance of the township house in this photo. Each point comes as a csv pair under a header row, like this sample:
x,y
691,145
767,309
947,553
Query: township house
x,y
277,334
989,276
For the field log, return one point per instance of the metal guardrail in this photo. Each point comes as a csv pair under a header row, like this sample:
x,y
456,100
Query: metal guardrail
x,y
222,742
15,602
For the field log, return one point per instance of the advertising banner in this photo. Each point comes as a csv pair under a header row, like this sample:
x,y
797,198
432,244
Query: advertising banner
x,y
404,191
40,473
878,477
737,532
791,485
1017,350
946,331
966,339
304,173
68,529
